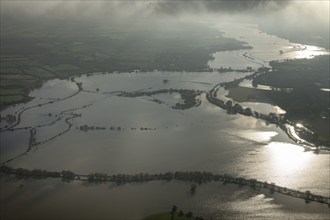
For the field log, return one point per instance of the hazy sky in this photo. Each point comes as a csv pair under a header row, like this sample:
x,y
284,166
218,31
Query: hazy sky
x,y
286,15
315,9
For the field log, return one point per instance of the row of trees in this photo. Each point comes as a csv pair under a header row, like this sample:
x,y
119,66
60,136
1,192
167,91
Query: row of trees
x,y
38,173
197,177
86,128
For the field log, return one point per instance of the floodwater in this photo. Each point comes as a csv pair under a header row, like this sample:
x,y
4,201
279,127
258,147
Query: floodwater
x,y
265,48
135,201
202,138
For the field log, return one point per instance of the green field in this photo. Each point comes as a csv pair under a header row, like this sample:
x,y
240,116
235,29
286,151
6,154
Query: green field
x,y
19,83
244,94
6,92
306,102
11,99
40,73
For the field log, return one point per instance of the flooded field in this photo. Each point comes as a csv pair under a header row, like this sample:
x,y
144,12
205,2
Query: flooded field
x,y
148,134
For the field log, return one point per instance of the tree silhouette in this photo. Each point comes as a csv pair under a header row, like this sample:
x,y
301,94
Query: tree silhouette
x,y
189,215
173,211
193,189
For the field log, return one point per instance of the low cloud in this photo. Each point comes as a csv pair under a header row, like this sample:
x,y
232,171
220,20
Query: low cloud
x,y
283,15
222,6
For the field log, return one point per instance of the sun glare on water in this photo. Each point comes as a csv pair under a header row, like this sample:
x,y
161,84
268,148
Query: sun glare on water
x,y
286,159
257,136
309,52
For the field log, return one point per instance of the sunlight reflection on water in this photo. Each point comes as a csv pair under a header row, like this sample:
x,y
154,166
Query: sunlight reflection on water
x,y
265,48
309,52
259,136
286,159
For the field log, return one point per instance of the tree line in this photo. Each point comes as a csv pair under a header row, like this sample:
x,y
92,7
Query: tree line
x,y
192,176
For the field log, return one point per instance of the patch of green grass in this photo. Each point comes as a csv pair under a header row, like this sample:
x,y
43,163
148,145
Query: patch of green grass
x,y
64,67
18,63
244,94
321,127
27,63
4,92
11,99
39,72
9,71
18,83
6,64
61,70
15,77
